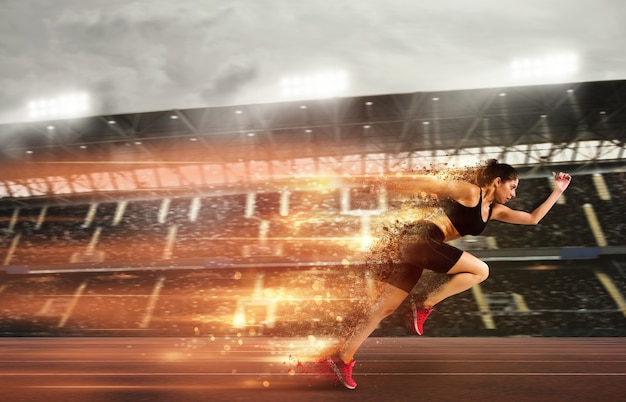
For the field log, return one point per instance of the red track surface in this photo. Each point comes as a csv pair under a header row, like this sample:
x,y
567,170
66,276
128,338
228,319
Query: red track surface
x,y
267,369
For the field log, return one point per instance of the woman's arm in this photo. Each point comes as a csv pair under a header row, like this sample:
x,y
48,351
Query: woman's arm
x,y
508,215
460,190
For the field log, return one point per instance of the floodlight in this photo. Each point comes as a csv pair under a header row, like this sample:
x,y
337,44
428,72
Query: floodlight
x,y
64,105
320,84
549,66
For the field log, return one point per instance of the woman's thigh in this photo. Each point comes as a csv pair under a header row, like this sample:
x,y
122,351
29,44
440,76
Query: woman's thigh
x,y
469,264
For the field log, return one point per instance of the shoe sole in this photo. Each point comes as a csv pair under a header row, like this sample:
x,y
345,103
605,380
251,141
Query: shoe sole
x,y
415,326
335,369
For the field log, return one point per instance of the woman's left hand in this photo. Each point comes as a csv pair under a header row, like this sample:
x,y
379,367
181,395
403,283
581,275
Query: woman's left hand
x,y
561,180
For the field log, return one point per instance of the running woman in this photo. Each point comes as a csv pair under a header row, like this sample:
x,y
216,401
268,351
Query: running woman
x,y
467,207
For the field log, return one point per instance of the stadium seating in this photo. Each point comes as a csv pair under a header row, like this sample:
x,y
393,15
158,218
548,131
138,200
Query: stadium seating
x,y
171,268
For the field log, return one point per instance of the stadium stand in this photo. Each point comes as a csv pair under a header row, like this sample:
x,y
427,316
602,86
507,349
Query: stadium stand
x,y
522,300
148,231
182,265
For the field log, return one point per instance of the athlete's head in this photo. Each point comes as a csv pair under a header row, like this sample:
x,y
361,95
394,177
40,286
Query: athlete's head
x,y
502,176
492,170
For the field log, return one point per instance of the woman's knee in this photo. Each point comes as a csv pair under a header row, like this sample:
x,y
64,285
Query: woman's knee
x,y
471,265
482,271
388,302
385,311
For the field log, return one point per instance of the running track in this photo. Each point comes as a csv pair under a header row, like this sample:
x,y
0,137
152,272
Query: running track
x,y
281,369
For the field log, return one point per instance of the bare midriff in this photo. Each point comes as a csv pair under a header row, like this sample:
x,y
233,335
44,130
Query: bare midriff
x,y
446,226
438,217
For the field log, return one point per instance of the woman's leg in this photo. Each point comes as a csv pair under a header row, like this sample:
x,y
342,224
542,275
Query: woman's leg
x,y
467,272
389,300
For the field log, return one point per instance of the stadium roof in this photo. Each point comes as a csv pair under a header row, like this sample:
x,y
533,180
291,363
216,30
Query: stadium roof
x,y
581,124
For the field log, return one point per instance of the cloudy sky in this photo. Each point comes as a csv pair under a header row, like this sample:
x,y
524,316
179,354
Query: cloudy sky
x,y
145,55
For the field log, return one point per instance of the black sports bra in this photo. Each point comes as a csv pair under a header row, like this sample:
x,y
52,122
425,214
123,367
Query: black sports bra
x,y
466,220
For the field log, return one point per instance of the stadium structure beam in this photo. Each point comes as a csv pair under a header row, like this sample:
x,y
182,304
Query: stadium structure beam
x,y
416,103
194,130
469,131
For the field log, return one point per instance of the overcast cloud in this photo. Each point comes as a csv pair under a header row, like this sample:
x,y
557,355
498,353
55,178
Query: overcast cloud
x,y
135,56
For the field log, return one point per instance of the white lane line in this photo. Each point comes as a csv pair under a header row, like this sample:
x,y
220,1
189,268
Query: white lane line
x,y
306,374
489,361
270,360
505,374
250,385
89,386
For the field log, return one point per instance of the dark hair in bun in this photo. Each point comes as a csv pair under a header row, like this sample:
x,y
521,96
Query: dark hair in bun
x,y
493,169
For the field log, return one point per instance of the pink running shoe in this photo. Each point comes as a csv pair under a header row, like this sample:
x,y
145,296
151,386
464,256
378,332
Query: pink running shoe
x,y
342,370
419,317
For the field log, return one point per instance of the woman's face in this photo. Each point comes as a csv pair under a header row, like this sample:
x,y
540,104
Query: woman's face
x,y
506,190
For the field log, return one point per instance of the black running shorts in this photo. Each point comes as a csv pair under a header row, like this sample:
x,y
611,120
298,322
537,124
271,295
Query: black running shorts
x,y
421,246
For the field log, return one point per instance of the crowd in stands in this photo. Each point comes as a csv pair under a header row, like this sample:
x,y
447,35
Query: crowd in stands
x,y
314,224
219,232
560,299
